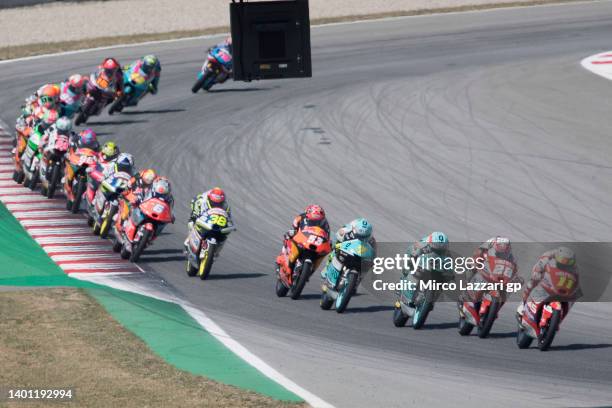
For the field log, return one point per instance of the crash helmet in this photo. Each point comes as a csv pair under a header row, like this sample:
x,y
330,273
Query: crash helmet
x,y
77,83
314,213
124,163
88,139
215,197
110,66
438,242
147,176
361,228
48,96
502,247
63,125
109,151
565,258
149,62
160,188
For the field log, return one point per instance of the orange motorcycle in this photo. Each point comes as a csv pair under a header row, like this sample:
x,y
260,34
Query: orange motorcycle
x,y
312,244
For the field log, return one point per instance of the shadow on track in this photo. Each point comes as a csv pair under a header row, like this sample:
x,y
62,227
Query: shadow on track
x,y
235,275
579,346
152,111
240,90
440,326
167,251
114,123
369,309
148,259
502,335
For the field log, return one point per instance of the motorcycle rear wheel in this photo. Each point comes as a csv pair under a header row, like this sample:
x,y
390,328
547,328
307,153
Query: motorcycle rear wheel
x,y
465,328
80,119
80,190
399,318
18,176
191,271
34,180
107,222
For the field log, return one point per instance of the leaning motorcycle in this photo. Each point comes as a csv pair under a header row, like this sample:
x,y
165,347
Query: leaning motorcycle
x,y
105,204
541,321
209,230
75,176
96,99
30,159
23,132
423,299
141,227
134,89
215,70
343,275
52,163
312,243
484,313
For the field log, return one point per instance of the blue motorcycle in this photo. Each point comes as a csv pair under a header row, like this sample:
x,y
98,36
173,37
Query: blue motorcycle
x,y
135,87
431,269
216,69
343,273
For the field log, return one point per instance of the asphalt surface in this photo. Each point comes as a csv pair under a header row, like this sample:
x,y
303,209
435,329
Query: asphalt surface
x,y
476,124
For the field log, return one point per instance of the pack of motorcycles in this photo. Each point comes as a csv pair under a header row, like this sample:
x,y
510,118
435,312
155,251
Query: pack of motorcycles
x,y
135,227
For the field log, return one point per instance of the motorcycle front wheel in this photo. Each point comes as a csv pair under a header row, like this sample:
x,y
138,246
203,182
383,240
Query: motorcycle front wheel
x,y
206,263
140,247
346,293
548,333
53,180
298,286
423,307
486,322
198,84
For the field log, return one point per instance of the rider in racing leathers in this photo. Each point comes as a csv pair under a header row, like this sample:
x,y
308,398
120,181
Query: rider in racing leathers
x,y
72,94
225,46
359,228
313,216
147,67
497,247
107,79
541,287
200,204
436,244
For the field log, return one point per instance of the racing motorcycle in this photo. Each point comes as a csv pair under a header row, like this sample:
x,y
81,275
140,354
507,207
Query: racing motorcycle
x,y
484,313
23,132
423,300
141,227
209,230
541,322
135,88
96,99
216,69
51,164
75,180
102,207
312,243
343,276
30,159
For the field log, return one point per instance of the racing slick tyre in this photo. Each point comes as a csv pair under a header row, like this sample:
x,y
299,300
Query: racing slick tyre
x,y
207,262
116,245
281,289
125,254
298,286
399,318
191,271
80,119
198,85
53,181
347,292
326,301
34,180
548,333
107,222
422,310
486,323
80,190
140,247
523,340
465,328
18,176
117,106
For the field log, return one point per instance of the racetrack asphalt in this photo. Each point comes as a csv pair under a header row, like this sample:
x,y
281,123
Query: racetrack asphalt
x,y
476,124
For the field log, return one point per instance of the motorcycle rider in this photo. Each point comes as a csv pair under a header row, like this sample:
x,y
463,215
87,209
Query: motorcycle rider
x,y
540,287
106,164
149,68
225,46
360,229
497,247
107,80
313,216
200,204
72,94
63,127
141,182
46,111
122,168
436,244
